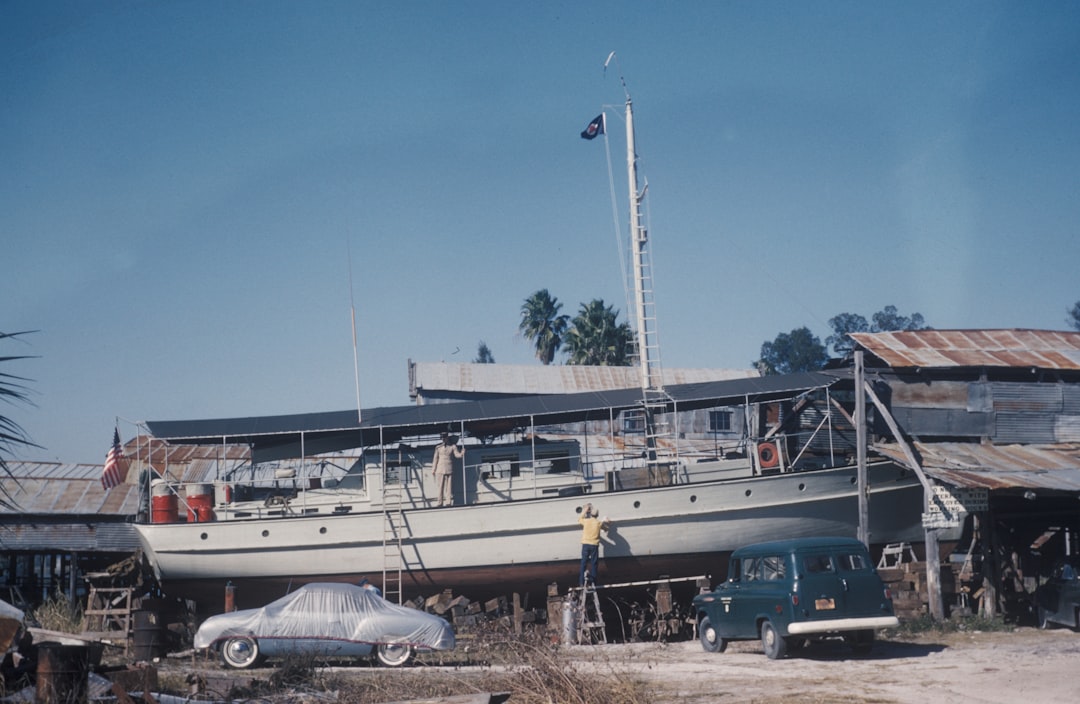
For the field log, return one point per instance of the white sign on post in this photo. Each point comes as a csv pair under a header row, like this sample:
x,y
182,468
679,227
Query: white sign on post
x,y
950,503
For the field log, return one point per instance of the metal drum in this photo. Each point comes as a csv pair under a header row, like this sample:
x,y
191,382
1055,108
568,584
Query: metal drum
x,y
200,502
149,635
163,503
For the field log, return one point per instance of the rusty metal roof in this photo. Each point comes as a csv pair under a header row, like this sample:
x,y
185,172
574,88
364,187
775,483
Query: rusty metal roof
x,y
1040,349
48,488
975,465
520,379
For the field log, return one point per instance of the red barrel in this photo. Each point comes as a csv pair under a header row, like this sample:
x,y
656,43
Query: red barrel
x,y
163,503
200,503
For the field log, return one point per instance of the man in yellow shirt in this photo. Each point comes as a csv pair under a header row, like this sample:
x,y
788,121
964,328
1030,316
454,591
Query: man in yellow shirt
x,y
591,525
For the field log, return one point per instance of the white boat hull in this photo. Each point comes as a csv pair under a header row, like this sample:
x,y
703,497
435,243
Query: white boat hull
x,y
495,548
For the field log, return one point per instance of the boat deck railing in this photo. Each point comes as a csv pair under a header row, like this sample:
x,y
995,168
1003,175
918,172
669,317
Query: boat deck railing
x,y
323,488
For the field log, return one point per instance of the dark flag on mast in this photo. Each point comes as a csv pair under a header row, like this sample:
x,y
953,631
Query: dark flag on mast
x,y
595,127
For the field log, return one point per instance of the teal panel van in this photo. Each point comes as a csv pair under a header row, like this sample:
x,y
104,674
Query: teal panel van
x,y
788,592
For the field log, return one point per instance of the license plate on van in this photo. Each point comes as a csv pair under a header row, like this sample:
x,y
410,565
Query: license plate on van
x,y
824,604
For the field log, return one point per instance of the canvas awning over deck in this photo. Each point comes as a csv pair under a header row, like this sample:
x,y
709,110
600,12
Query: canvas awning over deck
x,y
278,437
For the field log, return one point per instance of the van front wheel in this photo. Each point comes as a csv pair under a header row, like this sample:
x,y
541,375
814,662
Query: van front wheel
x,y
710,639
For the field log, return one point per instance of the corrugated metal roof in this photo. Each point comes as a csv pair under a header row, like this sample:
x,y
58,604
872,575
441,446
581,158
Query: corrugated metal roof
x,y
1040,349
73,496
69,537
976,465
519,379
53,470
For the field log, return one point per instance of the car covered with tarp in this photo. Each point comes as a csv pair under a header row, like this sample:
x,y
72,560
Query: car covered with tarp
x,y
325,619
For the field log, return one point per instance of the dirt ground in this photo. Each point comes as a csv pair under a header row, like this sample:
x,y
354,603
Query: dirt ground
x,y
991,667
983,667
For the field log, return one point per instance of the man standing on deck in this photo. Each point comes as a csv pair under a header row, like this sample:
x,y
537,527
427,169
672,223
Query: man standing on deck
x,y
591,525
442,466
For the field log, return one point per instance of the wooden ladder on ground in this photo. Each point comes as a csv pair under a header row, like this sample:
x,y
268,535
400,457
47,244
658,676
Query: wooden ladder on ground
x,y
590,620
108,613
393,528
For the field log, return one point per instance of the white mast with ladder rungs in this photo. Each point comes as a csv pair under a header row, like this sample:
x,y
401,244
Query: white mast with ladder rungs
x,y
654,399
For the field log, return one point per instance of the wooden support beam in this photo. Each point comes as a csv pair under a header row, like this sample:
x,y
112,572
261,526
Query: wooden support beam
x,y
933,558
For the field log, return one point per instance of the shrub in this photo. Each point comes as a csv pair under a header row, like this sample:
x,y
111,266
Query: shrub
x,y
58,613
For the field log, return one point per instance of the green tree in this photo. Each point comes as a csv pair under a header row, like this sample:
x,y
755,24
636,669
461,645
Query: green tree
x,y
885,320
842,325
1074,316
483,354
542,325
797,351
595,337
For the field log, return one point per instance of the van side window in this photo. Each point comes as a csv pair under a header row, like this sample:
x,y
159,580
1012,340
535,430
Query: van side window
x,y
773,567
853,562
750,569
816,564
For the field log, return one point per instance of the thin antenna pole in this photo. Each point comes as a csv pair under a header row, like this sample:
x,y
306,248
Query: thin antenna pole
x,y
355,357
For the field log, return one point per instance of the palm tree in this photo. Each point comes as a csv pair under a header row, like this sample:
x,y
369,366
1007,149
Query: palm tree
x,y
542,324
12,436
596,338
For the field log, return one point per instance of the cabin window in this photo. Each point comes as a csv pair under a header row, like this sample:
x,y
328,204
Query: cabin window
x,y
552,463
633,422
719,421
500,466
395,472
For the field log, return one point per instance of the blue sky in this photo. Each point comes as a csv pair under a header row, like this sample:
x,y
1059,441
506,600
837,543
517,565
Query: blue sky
x,y
185,183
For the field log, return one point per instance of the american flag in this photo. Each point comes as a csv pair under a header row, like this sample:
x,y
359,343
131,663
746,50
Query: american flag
x,y
116,466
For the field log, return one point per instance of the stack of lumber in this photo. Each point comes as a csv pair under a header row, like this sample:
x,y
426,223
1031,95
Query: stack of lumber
x,y
462,612
907,582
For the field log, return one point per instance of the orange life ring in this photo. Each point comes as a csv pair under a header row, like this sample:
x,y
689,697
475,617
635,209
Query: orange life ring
x,y
768,455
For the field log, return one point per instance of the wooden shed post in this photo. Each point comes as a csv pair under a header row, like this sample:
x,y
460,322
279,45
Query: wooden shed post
x,y
933,557
860,449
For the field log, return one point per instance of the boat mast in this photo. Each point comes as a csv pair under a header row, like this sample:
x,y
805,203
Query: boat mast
x,y
648,347
653,399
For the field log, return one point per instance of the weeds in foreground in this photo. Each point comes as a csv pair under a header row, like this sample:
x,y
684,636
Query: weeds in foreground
x,y
927,625
534,672
58,613
530,667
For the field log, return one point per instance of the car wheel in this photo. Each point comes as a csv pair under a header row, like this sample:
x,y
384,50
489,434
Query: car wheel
x,y
710,639
394,654
241,653
861,642
772,642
